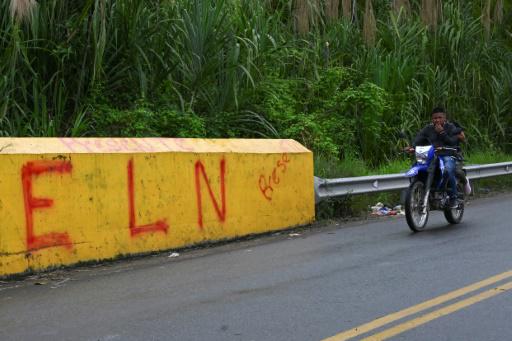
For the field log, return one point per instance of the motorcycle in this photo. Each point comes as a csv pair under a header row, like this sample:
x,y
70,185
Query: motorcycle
x,y
428,189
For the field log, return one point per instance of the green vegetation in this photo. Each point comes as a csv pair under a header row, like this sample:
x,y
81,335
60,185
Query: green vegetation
x,y
343,80
331,168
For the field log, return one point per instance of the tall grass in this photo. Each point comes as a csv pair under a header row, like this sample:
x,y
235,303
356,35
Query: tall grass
x,y
242,69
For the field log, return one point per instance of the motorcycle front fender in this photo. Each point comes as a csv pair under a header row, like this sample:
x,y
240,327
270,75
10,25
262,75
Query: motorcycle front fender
x,y
415,170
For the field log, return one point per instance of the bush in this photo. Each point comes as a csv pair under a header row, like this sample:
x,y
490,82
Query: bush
x,y
143,122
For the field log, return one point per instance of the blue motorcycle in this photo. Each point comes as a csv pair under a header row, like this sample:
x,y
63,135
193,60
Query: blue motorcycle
x,y
428,189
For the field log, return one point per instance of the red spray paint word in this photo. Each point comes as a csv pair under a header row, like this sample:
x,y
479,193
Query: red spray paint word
x,y
267,187
36,168
221,212
135,229
124,145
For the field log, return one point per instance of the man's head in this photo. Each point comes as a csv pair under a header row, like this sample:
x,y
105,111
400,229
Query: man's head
x,y
438,116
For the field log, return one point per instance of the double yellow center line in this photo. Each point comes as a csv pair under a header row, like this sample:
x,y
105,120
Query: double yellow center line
x,y
400,328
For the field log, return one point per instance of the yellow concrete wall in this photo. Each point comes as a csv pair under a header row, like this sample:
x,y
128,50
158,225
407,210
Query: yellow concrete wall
x,y
63,201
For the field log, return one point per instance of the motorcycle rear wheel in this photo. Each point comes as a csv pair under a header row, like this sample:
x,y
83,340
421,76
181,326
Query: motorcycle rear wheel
x,y
416,218
454,215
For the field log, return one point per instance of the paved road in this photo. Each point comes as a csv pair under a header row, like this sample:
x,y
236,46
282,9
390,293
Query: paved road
x,y
310,287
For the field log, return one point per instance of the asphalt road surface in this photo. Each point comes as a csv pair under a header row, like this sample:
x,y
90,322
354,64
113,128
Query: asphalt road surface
x,y
372,279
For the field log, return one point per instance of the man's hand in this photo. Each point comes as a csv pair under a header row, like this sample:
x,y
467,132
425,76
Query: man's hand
x,y
409,149
439,128
461,137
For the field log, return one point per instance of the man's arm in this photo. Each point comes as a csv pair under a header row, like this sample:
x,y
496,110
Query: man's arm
x,y
459,131
421,138
450,134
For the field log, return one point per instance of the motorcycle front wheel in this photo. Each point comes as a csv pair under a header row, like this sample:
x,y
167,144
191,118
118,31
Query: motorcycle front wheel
x,y
414,214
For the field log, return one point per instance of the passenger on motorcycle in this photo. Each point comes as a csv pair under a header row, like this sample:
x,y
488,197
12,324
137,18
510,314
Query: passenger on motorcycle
x,y
441,133
460,160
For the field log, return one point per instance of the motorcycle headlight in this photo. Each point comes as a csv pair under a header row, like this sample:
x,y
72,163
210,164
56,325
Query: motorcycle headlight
x,y
422,155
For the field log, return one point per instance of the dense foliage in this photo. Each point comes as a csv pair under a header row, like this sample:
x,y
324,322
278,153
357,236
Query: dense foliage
x,y
237,68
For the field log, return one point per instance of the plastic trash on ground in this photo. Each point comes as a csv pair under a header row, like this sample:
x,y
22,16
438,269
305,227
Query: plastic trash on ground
x,y
379,209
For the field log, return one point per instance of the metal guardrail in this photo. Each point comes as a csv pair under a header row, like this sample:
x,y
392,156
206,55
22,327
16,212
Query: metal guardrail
x,y
332,188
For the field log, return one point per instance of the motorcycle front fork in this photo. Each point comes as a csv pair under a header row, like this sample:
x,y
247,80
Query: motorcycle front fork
x,y
425,202
428,186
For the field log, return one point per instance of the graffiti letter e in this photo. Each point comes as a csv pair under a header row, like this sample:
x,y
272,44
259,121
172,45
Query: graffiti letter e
x,y
35,168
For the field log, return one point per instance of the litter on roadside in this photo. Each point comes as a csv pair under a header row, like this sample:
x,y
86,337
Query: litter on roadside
x,y
174,255
380,209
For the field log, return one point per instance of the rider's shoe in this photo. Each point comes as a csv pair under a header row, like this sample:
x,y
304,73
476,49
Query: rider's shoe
x,y
467,188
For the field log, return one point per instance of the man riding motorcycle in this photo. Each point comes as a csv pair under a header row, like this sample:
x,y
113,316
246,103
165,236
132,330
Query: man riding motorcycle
x,y
441,133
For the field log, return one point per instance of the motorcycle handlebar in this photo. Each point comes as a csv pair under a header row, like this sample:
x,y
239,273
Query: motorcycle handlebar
x,y
438,149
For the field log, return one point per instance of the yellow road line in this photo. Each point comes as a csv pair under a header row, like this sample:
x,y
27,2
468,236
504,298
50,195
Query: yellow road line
x,y
386,334
364,328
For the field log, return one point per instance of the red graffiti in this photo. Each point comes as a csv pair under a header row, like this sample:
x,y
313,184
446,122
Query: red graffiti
x,y
221,212
267,187
109,145
159,226
36,168
125,145
180,144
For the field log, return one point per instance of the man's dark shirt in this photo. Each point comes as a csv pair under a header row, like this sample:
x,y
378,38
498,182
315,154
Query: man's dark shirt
x,y
448,138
